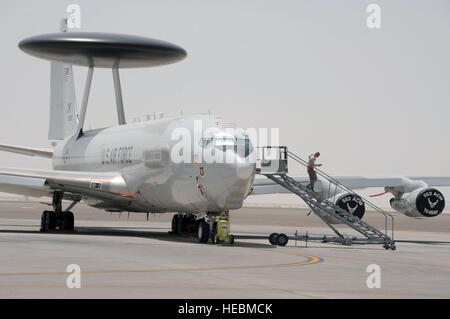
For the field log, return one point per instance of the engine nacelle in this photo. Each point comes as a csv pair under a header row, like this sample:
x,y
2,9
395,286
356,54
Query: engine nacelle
x,y
351,203
422,202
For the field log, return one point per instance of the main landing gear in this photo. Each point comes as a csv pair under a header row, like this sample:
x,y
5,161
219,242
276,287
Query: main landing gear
x,y
205,228
183,224
63,220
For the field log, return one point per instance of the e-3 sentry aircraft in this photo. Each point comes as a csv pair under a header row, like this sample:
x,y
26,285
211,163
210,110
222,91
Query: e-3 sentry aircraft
x,y
129,167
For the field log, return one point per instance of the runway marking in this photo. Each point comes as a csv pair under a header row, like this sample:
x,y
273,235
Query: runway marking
x,y
27,207
353,292
390,262
310,260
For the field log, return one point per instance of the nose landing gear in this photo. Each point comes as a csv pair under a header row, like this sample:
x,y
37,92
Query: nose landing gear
x,y
211,227
203,232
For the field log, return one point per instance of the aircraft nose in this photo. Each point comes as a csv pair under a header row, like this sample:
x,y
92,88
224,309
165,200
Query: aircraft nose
x,y
244,170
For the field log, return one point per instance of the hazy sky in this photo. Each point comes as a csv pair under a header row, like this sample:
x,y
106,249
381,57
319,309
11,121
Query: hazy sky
x,y
372,101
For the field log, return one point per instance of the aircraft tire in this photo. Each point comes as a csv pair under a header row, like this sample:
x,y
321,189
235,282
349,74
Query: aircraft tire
x,y
213,232
68,221
48,221
196,225
51,220
203,232
44,218
175,224
181,224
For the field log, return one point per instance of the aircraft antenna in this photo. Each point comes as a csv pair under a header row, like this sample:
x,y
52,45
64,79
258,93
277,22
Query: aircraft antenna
x,y
103,50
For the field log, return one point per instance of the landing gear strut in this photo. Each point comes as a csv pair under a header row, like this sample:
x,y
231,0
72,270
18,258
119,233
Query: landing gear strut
x,y
63,220
207,228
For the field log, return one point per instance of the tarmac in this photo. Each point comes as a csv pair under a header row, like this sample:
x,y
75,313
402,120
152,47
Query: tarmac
x,y
123,256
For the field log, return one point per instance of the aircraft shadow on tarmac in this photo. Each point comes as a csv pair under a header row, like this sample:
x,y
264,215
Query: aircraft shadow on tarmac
x,y
159,234
129,232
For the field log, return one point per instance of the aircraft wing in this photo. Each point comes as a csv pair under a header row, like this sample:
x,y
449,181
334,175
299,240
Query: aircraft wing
x,y
42,152
74,184
263,185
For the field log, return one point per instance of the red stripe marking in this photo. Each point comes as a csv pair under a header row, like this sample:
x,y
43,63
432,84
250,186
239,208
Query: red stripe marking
x,y
377,194
126,195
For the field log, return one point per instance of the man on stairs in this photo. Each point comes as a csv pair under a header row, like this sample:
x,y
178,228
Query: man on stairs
x,y
311,169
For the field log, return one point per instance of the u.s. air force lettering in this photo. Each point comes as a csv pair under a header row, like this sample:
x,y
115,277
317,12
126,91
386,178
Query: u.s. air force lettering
x,y
117,155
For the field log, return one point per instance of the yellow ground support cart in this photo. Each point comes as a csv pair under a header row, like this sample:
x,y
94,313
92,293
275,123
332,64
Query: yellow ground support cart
x,y
223,235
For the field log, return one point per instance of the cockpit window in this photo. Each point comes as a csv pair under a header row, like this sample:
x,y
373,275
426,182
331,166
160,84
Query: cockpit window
x,y
244,142
220,141
244,147
224,141
241,146
206,142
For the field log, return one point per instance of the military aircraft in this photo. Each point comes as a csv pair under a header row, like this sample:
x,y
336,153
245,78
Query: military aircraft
x,y
131,168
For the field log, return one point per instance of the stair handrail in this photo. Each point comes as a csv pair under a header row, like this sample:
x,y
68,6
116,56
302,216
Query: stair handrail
x,y
345,188
283,180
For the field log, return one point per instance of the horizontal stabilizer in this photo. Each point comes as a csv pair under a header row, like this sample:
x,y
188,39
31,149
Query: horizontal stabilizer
x,y
41,152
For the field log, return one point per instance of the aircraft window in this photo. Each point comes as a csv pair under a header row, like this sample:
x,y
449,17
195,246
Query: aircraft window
x,y
244,147
206,142
224,141
243,142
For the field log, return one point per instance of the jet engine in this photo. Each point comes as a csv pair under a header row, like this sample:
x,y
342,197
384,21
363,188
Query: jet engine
x,y
352,203
422,202
349,202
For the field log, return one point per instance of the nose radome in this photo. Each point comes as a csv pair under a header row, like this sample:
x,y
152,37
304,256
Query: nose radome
x,y
244,170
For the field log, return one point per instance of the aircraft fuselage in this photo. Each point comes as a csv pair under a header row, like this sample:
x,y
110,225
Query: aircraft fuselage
x,y
142,154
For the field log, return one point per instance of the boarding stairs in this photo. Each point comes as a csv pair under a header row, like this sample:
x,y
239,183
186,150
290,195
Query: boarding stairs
x,y
276,169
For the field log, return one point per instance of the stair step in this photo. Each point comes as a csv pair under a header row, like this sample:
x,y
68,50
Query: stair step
x,y
328,207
